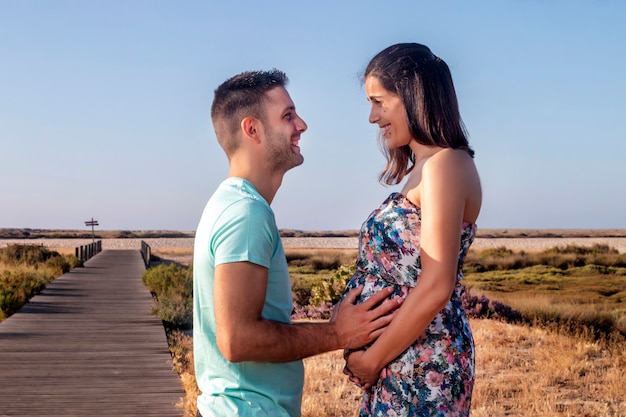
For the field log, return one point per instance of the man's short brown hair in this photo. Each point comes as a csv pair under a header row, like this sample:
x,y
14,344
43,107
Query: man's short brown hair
x,y
239,97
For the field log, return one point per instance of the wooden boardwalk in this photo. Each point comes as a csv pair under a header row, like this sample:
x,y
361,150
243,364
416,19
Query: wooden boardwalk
x,y
88,346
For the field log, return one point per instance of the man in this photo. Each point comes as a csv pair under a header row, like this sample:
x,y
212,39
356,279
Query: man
x,y
247,352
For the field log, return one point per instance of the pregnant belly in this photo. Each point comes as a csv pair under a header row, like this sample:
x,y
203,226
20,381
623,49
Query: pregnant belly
x,y
373,284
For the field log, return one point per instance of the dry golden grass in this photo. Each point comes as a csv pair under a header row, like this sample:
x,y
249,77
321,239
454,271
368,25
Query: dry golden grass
x,y
521,371
181,347
64,251
320,258
327,391
531,371
166,252
182,256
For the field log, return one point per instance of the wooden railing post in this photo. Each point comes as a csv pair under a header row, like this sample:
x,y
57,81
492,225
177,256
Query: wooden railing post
x,y
86,252
146,253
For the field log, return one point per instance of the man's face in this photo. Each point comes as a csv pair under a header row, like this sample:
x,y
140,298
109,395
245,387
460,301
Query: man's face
x,y
283,128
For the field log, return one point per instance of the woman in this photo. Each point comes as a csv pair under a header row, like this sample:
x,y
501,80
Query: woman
x,y
415,242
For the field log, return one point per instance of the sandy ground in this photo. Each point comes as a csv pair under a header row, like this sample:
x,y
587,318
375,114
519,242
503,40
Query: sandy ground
x,y
531,244
528,244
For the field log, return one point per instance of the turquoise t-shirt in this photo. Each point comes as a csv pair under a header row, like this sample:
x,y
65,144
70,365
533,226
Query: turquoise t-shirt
x,y
238,225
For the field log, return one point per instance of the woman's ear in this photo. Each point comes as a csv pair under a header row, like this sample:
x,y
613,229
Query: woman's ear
x,y
252,129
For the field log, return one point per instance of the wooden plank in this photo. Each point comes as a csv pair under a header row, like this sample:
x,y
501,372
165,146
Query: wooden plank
x,y
89,346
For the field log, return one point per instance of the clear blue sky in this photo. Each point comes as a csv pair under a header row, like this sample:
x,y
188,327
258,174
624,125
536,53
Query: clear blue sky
x,y
104,106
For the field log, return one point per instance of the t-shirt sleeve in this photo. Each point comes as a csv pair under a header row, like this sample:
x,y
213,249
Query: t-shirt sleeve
x,y
245,232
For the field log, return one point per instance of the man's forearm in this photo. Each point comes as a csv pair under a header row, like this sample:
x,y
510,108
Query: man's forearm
x,y
271,341
248,338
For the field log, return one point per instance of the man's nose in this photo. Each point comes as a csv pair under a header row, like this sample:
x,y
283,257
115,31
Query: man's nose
x,y
301,125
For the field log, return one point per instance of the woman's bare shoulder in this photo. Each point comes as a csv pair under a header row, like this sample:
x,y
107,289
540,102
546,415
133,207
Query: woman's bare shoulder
x,y
450,160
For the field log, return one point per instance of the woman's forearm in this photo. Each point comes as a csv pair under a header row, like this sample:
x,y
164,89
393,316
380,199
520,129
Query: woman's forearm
x,y
419,309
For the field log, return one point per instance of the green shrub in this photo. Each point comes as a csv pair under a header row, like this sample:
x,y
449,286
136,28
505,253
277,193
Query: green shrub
x,y
163,279
174,309
172,287
19,254
330,290
18,285
564,258
59,264
25,270
499,252
301,285
595,249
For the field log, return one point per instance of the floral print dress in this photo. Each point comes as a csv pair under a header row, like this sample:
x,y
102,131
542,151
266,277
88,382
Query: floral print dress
x,y
435,375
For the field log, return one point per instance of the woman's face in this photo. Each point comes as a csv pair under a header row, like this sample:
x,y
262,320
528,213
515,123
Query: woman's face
x,y
388,113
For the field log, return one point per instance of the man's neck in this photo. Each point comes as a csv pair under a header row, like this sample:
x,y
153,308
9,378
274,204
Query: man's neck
x,y
266,184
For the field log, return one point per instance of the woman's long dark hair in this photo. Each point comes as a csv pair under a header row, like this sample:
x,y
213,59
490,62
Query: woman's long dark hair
x,y
424,84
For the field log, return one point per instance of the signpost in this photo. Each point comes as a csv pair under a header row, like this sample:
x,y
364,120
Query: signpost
x,y
92,223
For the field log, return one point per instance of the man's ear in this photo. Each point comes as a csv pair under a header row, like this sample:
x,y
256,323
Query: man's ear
x,y
252,129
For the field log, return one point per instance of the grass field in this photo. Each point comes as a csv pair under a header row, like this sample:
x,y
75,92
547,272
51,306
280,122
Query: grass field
x,y
521,371
556,364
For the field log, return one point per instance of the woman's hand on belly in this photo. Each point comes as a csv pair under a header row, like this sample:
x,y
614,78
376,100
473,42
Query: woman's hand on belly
x,y
359,370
